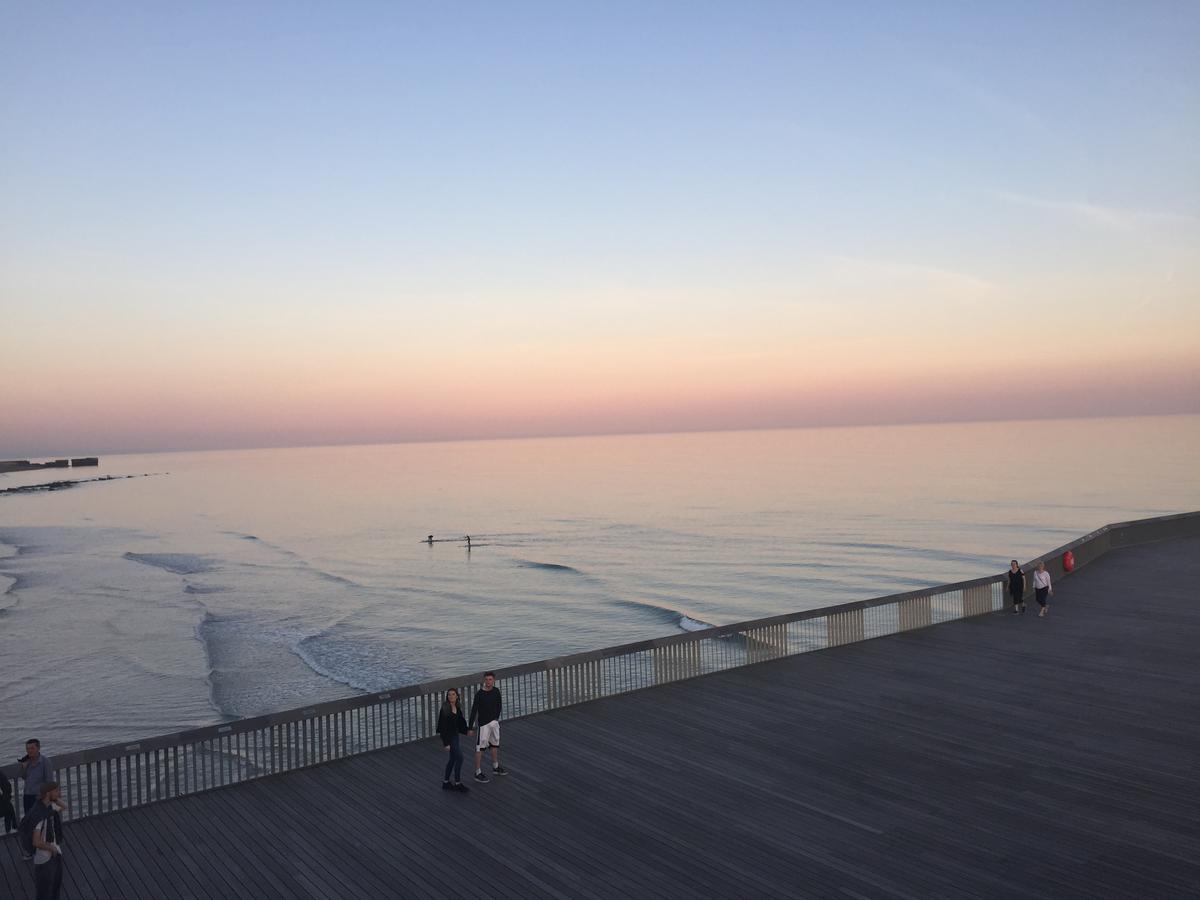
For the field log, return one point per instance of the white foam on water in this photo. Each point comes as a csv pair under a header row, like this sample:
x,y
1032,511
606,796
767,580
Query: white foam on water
x,y
687,623
357,660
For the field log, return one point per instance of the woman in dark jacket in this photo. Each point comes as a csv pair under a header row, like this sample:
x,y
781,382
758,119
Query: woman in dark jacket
x,y
450,725
1016,586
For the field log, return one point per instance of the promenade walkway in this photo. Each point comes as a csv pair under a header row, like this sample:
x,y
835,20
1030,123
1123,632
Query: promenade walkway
x,y
997,756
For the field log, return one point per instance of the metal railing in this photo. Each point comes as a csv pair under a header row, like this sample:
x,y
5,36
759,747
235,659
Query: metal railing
x,y
120,776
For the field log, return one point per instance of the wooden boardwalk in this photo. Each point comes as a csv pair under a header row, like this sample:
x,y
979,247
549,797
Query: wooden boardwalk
x,y
999,756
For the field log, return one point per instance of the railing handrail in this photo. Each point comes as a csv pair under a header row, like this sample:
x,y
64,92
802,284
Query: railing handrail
x,y
359,701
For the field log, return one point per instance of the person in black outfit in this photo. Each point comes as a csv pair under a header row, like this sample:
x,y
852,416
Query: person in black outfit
x,y
47,842
450,725
6,808
486,711
1016,587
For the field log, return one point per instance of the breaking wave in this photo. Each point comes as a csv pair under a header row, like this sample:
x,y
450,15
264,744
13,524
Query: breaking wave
x,y
548,567
178,563
666,614
204,589
924,552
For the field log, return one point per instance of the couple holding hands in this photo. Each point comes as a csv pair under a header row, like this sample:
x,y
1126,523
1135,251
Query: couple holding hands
x,y
485,712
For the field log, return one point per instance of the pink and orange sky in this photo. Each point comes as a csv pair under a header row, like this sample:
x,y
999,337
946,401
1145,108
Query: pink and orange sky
x,y
219,230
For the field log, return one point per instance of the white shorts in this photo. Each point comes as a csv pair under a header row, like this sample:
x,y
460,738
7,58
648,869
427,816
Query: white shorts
x,y
488,736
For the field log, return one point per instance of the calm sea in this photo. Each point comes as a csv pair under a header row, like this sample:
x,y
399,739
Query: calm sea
x,y
241,582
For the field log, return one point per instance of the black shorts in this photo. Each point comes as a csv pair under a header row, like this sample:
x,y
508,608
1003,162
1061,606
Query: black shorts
x,y
1041,595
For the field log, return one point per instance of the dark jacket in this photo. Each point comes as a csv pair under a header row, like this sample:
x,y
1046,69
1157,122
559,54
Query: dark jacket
x,y
450,724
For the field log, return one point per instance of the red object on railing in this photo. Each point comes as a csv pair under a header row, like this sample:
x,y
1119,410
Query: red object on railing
x,y
1068,561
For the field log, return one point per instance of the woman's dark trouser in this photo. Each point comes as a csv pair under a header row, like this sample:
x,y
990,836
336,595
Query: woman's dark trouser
x,y
48,878
1016,598
1041,595
8,814
454,763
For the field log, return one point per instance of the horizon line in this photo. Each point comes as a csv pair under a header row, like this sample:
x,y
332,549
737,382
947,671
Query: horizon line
x,y
599,434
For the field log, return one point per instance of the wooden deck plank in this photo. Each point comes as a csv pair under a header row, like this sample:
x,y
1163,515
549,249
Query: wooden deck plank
x,y
998,756
113,867
173,852
13,876
326,873
227,836
427,852
83,875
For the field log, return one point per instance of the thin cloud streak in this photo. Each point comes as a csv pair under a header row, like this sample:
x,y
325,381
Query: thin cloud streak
x,y
961,284
1129,220
998,106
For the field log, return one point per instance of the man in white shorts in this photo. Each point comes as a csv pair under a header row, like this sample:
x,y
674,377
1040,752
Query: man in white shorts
x,y
486,709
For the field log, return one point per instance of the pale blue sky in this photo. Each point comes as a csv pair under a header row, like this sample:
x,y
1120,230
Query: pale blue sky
x,y
529,176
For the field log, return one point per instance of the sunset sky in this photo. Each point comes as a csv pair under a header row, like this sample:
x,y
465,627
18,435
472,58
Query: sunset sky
x,y
259,224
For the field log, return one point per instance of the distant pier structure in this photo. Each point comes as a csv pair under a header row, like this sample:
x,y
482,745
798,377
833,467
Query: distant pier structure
x,y
24,465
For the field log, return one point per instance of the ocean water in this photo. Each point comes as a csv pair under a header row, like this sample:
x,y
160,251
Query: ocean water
x,y
234,583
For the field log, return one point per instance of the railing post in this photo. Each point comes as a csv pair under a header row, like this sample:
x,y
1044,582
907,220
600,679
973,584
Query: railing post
x,y
977,600
916,612
845,627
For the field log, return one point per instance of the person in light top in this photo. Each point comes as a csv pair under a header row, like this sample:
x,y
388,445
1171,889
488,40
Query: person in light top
x,y
36,769
1042,587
